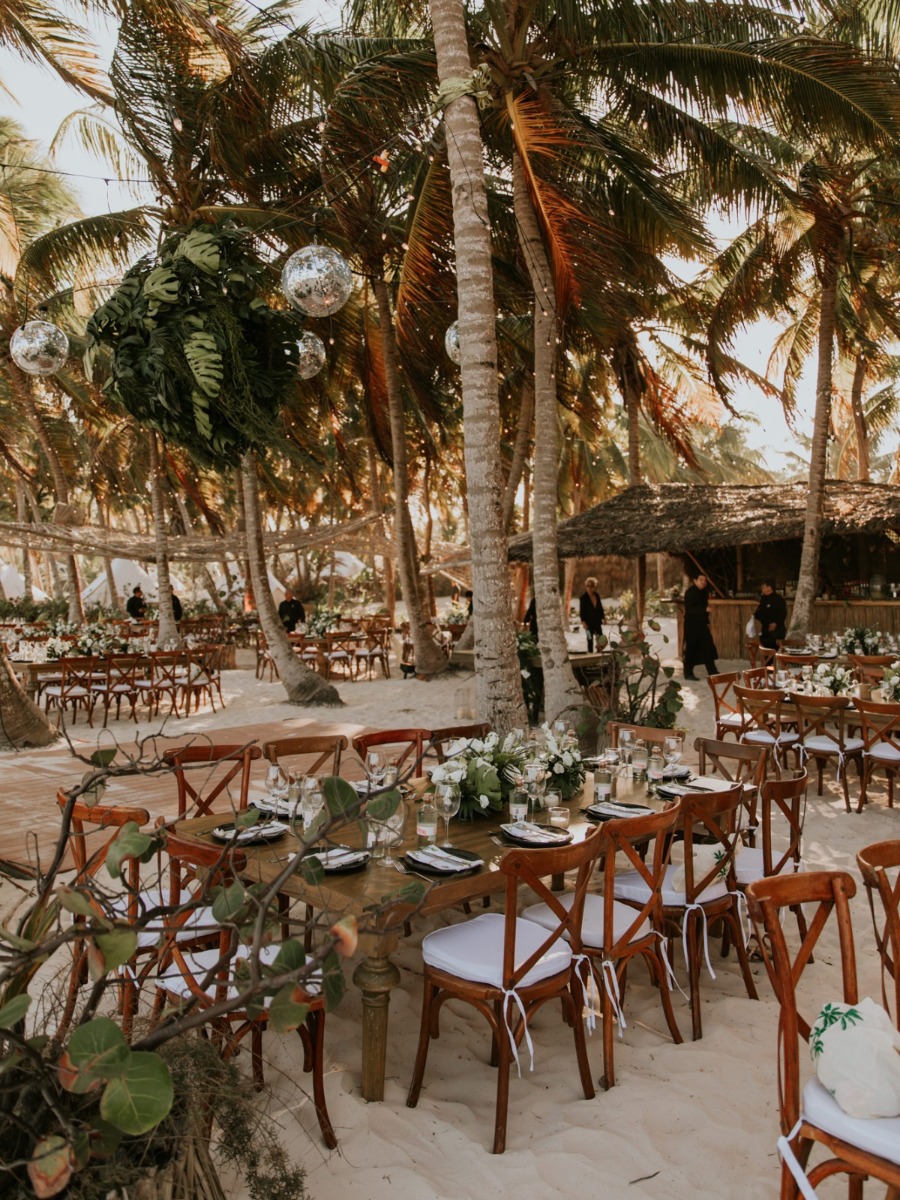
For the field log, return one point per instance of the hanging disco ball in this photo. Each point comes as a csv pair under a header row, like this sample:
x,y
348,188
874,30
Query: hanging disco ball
x,y
317,280
312,355
451,342
39,347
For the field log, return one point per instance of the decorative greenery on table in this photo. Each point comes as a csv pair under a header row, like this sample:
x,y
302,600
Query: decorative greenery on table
x,y
860,639
486,770
563,762
890,682
835,679
197,353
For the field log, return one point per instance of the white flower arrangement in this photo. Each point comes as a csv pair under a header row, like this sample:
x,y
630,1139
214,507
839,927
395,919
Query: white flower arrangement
x,y
562,759
484,769
835,679
890,683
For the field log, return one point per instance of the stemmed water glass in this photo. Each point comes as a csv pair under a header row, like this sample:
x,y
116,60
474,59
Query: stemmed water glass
x,y
375,768
672,749
276,782
390,833
626,744
446,801
807,672
535,784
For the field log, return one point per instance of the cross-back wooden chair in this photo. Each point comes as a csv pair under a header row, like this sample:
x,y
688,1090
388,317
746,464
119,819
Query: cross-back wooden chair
x,y
728,714
738,762
869,667
119,682
782,812
167,673
809,1114
763,724
264,660
649,734
319,755
615,933
507,968
405,746
374,648
224,763
92,830
340,650
879,727
794,663
880,868
758,677
767,656
207,977
822,725
75,689
710,892
442,738
202,677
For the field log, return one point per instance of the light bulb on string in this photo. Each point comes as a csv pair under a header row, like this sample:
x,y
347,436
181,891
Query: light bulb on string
x,y
317,280
39,348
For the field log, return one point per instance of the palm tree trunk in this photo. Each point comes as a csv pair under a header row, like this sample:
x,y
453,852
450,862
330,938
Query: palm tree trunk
x,y
115,600
60,486
249,598
631,396
430,659
430,598
22,517
168,630
560,689
496,663
863,467
808,575
21,721
208,582
520,452
303,686
387,560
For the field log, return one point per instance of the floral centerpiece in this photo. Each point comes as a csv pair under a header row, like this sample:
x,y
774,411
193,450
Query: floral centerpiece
x,y
95,639
860,639
486,769
57,647
562,759
835,679
890,682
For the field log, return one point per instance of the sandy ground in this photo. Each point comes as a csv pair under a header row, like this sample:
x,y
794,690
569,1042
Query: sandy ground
x,y
696,1120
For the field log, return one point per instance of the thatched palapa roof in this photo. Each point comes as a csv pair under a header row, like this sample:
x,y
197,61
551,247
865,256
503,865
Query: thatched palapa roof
x,y
684,517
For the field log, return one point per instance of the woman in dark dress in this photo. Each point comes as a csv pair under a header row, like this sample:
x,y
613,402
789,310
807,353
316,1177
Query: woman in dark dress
x,y
699,646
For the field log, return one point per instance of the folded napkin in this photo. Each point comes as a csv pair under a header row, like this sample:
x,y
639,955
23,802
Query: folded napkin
x,y
677,772
271,829
608,808
278,805
337,856
525,831
434,856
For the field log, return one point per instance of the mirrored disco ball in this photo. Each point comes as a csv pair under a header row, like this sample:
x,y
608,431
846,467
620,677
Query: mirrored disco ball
x,y
451,342
39,347
312,355
317,280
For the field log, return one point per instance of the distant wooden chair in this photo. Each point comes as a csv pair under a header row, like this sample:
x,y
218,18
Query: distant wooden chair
x,y
821,722
728,715
782,812
442,738
406,747
318,755
809,1113
224,763
737,762
880,868
647,733
758,677
880,730
763,725
75,689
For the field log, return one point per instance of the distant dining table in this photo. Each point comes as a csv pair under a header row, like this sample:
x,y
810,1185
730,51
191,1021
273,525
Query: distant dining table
x,y
356,892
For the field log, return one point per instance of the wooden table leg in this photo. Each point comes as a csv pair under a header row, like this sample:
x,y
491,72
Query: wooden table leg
x,y
376,977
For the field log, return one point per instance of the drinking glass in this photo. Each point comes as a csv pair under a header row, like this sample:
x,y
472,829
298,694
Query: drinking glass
x,y
446,801
518,805
639,759
655,768
276,782
806,671
672,749
375,768
390,833
535,785
626,745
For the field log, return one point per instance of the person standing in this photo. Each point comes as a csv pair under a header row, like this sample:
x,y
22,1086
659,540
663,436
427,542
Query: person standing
x,y
530,620
137,605
590,609
177,610
699,646
291,612
772,616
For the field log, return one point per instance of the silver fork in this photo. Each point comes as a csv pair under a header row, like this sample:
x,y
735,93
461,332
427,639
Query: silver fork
x,y
405,870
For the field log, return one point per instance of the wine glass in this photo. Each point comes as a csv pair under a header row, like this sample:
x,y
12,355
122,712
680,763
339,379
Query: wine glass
x,y
806,671
446,801
375,768
276,782
390,833
535,784
626,744
672,749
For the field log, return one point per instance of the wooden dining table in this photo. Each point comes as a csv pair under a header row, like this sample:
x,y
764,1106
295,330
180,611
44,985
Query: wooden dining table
x,y
370,896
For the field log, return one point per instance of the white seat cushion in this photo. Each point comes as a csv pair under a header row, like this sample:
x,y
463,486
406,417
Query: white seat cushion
x,y
763,738
733,719
592,923
632,886
877,1135
199,922
828,745
881,752
201,961
474,950
748,866
69,692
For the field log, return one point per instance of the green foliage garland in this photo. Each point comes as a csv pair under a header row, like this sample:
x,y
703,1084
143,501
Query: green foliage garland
x,y
197,353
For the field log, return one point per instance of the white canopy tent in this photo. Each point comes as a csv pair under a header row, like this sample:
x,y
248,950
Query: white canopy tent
x,y
235,583
14,584
346,566
128,575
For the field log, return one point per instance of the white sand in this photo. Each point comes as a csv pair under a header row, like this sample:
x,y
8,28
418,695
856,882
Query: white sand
x,y
696,1120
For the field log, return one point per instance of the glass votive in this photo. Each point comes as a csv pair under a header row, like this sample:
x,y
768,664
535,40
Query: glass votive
x,y
559,816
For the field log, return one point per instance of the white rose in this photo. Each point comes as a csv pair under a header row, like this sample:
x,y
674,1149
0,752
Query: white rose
x,y
483,801
567,758
525,674
558,769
